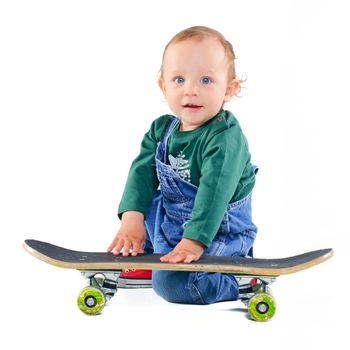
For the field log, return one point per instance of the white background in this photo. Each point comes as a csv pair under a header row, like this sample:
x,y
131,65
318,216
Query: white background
x,y
78,91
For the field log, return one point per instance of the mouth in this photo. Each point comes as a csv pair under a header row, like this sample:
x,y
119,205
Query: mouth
x,y
192,107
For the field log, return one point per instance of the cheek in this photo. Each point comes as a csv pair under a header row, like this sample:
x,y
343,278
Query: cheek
x,y
170,98
173,95
173,102
217,97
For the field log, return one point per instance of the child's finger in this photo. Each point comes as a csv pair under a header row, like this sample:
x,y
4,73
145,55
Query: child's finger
x,y
164,258
136,249
176,258
118,247
112,245
126,248
189,258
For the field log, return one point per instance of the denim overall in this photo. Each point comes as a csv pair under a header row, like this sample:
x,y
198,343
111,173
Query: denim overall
x,y
169,211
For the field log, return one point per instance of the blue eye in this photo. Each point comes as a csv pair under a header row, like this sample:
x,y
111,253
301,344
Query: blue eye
x,y
206,80
179,80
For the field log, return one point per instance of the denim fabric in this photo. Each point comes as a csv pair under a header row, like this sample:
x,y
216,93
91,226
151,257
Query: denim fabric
x,y
169,211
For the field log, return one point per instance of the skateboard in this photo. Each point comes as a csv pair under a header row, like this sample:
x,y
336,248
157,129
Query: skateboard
x,y
102,271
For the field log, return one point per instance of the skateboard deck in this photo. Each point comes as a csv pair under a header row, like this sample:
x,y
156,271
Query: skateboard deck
x,y
103,269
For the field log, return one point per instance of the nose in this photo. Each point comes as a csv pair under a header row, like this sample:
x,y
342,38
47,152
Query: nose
x,y
190,89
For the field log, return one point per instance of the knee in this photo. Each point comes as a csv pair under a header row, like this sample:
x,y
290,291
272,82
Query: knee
x,y
169,285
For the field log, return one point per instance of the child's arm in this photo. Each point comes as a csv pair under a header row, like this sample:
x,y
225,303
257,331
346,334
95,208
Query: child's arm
x,y
131,235
186,250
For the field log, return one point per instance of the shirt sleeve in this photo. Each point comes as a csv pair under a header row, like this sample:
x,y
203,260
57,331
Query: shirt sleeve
x,y
142,179
224,159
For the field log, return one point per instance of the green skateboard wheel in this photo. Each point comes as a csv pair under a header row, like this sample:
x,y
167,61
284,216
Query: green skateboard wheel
x,y
261,307
91,301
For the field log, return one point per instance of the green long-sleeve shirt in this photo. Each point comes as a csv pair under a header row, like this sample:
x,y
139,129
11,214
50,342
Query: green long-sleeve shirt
x,y
213,157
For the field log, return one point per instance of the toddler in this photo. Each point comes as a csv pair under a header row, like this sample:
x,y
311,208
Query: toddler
x,y
188,192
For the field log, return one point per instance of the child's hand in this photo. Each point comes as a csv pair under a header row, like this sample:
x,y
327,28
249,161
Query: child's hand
x,y
187,250
131,235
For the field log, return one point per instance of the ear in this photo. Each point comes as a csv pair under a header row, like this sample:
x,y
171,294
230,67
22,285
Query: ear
x,y
231,89
161,85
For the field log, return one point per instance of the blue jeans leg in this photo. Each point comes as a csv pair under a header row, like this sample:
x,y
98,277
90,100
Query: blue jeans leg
x,y
203,287
194,287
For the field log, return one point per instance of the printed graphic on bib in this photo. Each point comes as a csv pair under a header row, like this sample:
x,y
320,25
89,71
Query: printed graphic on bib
x,y
181,166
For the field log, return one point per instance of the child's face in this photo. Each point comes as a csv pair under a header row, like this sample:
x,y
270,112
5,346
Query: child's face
x,y
196,81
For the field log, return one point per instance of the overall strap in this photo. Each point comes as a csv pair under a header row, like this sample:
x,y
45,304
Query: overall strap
x,y
172,124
